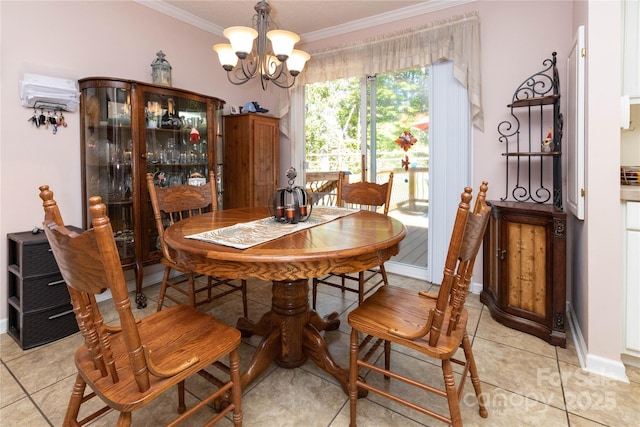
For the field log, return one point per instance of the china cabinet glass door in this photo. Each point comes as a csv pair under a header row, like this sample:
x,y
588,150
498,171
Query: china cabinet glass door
x,y
177,146
107,153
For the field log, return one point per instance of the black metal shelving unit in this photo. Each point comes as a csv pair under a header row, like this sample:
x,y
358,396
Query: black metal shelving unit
x,y
535,109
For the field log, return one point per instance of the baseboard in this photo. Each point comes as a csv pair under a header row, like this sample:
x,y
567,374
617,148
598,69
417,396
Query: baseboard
x,y
475,287
598,365
151,277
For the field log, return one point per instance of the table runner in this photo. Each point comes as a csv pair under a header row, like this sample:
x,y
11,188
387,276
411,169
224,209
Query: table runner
x,y
247,234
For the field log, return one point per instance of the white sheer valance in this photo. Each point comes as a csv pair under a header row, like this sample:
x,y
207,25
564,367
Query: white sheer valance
x,y
456,40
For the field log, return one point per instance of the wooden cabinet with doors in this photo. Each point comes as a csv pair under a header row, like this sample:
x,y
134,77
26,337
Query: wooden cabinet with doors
x,y
129,129
525,269
251,160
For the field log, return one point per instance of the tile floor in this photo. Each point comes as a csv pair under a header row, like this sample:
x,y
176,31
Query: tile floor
x,y
526,381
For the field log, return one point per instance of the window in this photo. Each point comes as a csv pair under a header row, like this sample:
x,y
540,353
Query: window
x,y
430,103
349,120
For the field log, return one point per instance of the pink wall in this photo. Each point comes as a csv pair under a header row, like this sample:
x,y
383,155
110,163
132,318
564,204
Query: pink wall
x,y
516,36
77,39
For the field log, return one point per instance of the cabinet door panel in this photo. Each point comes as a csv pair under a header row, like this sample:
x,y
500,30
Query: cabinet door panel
x,y
526,267
265,177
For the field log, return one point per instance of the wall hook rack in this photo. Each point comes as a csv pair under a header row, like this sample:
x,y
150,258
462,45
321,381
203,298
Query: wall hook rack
x,y
54,117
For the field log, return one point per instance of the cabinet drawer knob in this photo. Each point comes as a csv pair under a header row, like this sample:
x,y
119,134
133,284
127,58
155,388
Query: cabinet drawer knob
x,y
57,282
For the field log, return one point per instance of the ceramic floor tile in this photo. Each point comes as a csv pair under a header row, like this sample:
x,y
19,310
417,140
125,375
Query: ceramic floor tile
x,y
46,365
409,283
503,407
420,370
633,373
22,413
507,409
53,401
9,348
520,377
302,399
231,310
473,300
10,390
598,398
518,371
324,289
577,421
488,328
371,414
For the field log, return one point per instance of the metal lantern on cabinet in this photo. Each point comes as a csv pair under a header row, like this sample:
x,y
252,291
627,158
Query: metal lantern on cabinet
x,y
292,204
161,70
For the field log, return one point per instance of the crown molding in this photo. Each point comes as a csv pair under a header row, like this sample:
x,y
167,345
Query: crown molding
x,y
181,15
383,18
360,24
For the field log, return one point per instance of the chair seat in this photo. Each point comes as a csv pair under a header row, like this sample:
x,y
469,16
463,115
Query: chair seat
x,y
173,336
395,308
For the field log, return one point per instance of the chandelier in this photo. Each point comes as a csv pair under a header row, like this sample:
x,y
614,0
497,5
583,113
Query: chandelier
x,y
275,64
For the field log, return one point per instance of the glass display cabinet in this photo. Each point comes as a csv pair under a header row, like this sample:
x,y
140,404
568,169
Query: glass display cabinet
x,y
129,129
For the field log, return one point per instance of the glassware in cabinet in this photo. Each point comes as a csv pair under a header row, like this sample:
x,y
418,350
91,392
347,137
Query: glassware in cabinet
x,y
107,159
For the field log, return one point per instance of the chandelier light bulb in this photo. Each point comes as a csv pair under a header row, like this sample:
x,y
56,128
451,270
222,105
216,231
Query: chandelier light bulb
x,y
296,61
282,43
241,39
226,55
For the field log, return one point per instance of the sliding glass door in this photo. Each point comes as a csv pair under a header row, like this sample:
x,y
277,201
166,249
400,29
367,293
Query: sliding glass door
x,y
371,127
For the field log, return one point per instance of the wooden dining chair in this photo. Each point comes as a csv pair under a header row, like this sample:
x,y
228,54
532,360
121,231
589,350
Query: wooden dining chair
x,y
171,204
434,325
359,195
130,365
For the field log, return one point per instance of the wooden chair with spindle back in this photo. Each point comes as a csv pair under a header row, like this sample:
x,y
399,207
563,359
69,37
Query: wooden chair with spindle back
x,y
129,366
171,204
434,325
368,196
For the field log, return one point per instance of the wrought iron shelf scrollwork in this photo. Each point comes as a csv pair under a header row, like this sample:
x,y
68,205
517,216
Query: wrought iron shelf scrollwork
x,y
532,135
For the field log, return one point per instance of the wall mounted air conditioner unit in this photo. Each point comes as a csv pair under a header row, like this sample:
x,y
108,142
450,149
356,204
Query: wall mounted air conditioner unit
x,y
49,93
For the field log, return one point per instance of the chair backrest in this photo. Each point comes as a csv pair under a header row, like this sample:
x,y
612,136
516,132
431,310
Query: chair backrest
x,y
466,237
178,202
323,187
364,195
90,264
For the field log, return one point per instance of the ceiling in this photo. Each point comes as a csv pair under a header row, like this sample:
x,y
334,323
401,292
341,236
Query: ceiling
x,y
312,19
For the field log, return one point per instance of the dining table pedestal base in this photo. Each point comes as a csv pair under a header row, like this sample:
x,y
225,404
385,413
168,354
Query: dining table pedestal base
x,y
291,334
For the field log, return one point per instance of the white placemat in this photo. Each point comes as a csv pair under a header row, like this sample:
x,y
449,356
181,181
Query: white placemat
x,y
247,234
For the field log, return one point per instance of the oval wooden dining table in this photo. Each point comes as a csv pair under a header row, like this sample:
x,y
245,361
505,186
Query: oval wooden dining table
x,y
291,329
